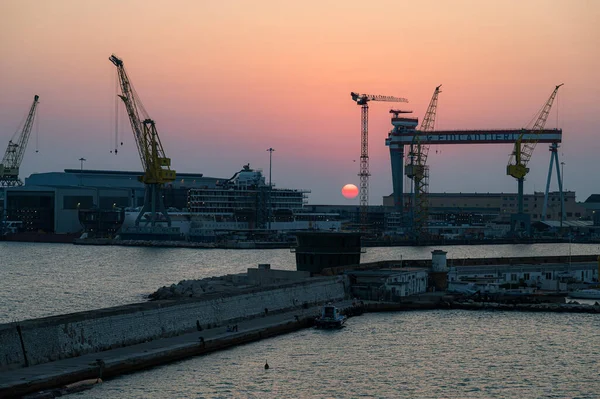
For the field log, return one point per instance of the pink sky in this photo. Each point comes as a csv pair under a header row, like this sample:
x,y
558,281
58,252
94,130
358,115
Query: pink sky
x,y
226,80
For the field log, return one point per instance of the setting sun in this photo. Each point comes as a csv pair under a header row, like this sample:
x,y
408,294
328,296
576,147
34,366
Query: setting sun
x,y
350,191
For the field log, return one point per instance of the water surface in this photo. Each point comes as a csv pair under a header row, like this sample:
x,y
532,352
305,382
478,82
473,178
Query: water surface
x,y
435,354
47,279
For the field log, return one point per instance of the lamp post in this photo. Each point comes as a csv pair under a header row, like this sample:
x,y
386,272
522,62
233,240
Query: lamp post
x,y
270,151
562,190
82,160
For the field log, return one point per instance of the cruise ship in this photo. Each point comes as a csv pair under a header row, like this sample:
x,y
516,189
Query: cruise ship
x,y
244,206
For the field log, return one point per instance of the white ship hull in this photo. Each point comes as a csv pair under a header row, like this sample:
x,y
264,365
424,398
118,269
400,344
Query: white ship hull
x,y
585,294
211,226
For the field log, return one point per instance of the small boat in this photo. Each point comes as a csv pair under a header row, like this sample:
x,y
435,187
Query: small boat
x,y
585,294
330,318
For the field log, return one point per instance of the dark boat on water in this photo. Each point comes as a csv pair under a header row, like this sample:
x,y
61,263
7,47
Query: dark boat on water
x,y
330,317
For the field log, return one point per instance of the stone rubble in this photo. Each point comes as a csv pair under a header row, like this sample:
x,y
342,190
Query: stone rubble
x,y
198,288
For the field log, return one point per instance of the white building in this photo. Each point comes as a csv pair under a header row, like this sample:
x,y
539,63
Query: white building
x,y
388,283
543,276
407,282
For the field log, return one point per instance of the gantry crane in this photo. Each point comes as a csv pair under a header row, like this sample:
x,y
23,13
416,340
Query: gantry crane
x,y
517,164
363,100
9,168
418,170
156,165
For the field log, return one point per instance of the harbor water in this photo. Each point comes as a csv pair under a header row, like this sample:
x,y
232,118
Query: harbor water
x,y
41,280
434,354
419,354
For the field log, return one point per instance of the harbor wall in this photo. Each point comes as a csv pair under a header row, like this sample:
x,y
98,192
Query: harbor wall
x,y
459,262
58,337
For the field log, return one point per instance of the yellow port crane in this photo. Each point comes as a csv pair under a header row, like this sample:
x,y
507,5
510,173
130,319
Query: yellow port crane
x,y
517,164
9,168
363,100
418,170
156,165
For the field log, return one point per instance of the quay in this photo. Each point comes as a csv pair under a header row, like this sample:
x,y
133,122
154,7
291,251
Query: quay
x,y
47,376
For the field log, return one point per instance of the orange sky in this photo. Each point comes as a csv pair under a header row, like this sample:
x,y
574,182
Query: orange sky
x,y
226,80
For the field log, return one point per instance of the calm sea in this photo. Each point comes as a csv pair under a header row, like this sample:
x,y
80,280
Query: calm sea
x,y
434,354
40,280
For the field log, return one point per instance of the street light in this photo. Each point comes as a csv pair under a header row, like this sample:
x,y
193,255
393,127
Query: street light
x,y
562,190
270,151
82,160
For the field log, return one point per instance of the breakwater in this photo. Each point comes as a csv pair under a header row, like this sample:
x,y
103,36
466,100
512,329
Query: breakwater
x,y
475,261
38,341
115,362
448,304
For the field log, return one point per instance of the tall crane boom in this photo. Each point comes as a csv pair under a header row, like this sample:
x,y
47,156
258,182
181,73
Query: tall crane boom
x,y
517,164
363,100
9,168
418,170
156,165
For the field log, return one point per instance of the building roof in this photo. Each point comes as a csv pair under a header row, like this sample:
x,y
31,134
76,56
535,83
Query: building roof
x,y
110,178
127,173
594,198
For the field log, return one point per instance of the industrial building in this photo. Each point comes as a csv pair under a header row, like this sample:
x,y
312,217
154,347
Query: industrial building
x,y
551,277
50,202
499,206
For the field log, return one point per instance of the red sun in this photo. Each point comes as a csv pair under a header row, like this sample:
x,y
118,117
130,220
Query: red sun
x,y
350,191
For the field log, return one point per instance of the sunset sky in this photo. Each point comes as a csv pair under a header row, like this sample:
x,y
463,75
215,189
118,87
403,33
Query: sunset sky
x,y
225,80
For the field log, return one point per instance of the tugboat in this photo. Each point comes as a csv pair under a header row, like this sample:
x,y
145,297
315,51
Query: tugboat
x,y
330,318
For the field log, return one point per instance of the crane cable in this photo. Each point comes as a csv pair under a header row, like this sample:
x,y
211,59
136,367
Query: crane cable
x,y
116,112
37,132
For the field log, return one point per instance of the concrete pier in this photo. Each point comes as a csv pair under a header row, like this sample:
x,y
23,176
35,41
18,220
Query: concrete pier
x,y
46,376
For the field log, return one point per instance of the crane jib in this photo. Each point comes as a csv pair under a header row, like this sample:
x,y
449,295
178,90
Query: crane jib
x,y
11,162
144,130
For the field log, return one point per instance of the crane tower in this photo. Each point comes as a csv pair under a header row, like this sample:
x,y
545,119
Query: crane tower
x,y
9,168
363,100
156,165
517,164
418,170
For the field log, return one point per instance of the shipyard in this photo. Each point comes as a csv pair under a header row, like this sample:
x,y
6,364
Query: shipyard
x,y
299,200
245,210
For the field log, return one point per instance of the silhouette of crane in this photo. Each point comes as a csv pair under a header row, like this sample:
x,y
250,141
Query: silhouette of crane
x,y
363,101
517,164
418,170
156,165
9,168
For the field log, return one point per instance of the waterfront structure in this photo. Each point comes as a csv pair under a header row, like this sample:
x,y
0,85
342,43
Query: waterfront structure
x,y
499,206
405,134
245,208
541,276
60,202
316,251
50,202
388,284
479,215
246,197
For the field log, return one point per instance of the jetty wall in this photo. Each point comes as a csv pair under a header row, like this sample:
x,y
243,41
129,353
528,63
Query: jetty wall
x,y
44,340
460,262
